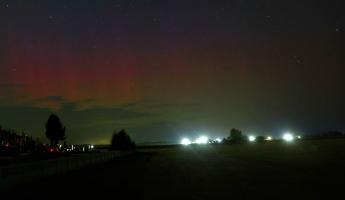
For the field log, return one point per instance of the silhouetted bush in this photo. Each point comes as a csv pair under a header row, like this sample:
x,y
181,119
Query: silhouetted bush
x,y
55,131
121,141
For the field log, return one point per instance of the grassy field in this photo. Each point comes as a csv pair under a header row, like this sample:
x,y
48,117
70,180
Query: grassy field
x,y
304,169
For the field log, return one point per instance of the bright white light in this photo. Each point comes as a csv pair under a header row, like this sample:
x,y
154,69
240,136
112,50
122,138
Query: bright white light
x,y
299,137
202,140
218,140
186,141
92,146
251,138
269,138
288,137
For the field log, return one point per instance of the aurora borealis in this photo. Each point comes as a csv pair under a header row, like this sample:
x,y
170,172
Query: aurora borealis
x,y
167,69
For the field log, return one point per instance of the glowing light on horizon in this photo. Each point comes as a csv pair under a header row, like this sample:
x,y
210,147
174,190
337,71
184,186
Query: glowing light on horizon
x,y
288,137
269,138
186,141
251,138
202,140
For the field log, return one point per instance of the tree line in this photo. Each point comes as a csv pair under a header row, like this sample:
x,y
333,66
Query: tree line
x,y
55,131
11,141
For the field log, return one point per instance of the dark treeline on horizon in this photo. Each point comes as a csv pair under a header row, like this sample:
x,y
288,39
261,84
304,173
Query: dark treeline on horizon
x,y
11,142
14,142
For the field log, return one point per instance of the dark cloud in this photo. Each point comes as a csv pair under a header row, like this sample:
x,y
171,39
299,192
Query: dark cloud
x,y
98,114
158,105
60,102
160,131
11,93
51,99
139,103
7,88
12,85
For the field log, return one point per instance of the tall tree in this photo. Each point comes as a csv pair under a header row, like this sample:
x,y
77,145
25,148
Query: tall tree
x,y
236,136
121,141
55,131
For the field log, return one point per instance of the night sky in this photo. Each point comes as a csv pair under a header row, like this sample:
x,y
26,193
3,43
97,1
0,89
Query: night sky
x,y
168,69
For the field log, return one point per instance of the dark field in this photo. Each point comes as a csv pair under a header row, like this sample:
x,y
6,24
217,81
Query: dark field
x,y
304,169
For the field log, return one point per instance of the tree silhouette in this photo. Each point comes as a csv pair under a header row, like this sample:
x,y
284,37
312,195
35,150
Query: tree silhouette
x,y
11,142
236,136
121,141
55,131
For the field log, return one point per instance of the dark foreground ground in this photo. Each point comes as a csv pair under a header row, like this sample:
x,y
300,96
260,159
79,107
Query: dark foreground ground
x,y
305,169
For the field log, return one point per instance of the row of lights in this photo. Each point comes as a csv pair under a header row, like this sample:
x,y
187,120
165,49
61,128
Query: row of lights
x,y
199,140
288,137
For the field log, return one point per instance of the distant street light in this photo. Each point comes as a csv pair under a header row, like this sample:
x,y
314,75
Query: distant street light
x,y
202,140
186,141
218,140
251,138
288,137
